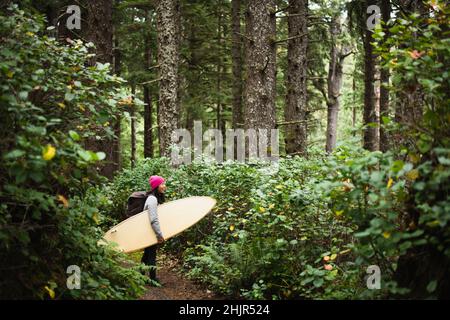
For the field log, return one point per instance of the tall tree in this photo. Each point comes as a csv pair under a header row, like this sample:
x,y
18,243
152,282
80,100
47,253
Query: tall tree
x,y
100,32
220,121
369,116
296,84
167,13
133,125
236,53
148,107
338,53
384,79
260,59
117,70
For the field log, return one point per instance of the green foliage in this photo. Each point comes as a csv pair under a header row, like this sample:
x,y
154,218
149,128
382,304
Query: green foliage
x,y
51,103
267,231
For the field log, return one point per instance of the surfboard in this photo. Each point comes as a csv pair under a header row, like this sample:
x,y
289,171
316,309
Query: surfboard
x,y
136,233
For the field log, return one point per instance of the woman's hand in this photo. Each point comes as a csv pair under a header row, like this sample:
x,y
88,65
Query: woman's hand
x,y
161,240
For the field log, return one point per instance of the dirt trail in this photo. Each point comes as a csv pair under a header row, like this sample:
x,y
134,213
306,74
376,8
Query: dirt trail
x,y
175,286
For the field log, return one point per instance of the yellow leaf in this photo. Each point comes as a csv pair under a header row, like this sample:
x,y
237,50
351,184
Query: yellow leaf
x,y
279,186
345,251
30,34
303,238
63,200
10,74
433,224
61,105
389,184
95,218
333,257
413,174
387,234
51,293
231,227
49,152
339,213
414,158
271,206
81,107
230,209
262,210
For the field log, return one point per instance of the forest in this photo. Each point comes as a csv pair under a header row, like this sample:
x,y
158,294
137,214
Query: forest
x,y
321,128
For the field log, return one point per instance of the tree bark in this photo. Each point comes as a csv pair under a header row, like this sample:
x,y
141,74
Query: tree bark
x,y
369,116
334,82
148,111
133,126
236,54
384,80
260,57
296,84
219,66
168,60
100,32
117,123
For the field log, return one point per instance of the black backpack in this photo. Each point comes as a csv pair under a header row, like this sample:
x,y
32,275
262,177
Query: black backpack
x,y
136,202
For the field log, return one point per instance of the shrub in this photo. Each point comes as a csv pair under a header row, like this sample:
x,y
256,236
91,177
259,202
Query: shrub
x,y
50,103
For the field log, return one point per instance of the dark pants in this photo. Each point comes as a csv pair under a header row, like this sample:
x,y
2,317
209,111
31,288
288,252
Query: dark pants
x,y
149,259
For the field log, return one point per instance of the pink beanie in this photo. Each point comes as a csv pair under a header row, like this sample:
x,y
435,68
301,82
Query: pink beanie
x,y
155,181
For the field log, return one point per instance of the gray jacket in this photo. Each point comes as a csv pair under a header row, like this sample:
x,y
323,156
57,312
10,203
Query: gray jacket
x,y
150,204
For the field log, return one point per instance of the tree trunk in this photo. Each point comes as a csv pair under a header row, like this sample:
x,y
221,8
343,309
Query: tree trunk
x,y
384,81
354,105
236,54
260,59
334,82
370,134
117,127
168,60
148,111
296,86
133,126
219,65
100,32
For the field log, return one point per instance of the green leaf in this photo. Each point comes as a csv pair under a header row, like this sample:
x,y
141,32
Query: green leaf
x,y
74,135
85,155
444,161
69,96
23,95
318,282
431,287
101,156
14,154
38,131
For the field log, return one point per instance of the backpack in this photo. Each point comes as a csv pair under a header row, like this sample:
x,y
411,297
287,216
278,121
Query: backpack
x,y
136,202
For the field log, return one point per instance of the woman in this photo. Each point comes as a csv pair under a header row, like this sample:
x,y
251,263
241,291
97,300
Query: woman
x,y
155,197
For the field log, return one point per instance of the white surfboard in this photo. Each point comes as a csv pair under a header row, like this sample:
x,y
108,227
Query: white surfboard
x,y
136,233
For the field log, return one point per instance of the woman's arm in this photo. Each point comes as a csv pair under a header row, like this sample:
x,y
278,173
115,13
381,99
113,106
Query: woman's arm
x,y
151,205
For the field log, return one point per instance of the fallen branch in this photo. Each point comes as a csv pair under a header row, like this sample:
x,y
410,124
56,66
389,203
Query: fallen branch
x,y
151,81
